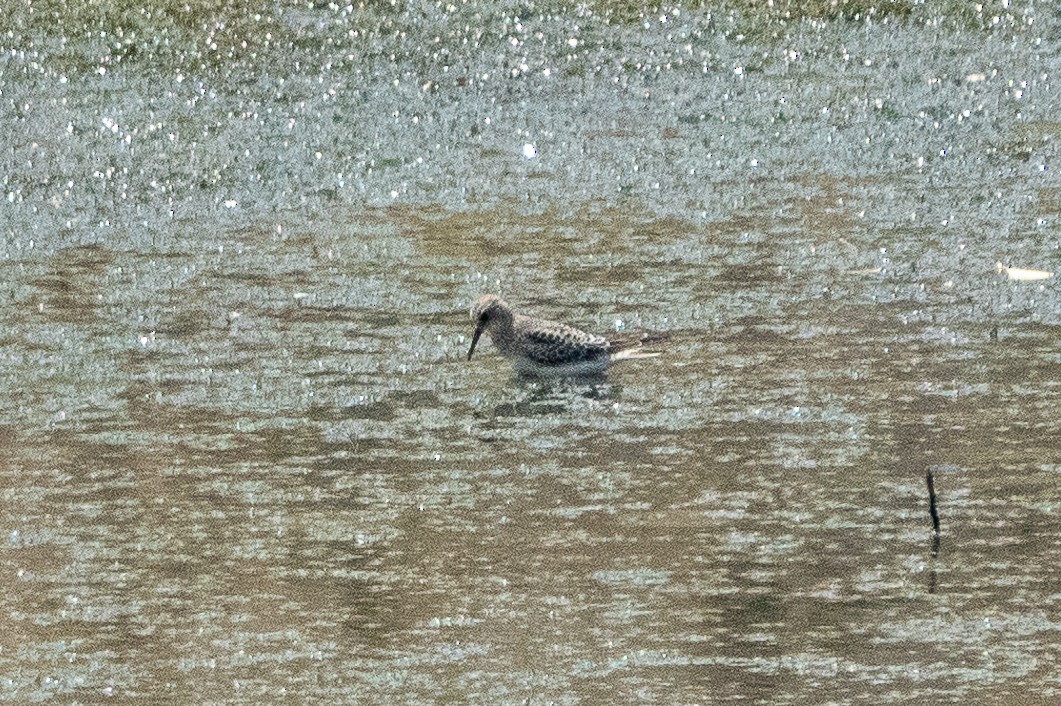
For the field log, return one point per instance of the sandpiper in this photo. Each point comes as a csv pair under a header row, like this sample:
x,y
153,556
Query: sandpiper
x,y
547,348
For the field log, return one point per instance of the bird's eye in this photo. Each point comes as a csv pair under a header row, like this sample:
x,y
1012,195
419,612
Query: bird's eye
x,y
484,317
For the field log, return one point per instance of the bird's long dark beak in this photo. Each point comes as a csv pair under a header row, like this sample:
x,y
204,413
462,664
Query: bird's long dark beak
x,y
475,339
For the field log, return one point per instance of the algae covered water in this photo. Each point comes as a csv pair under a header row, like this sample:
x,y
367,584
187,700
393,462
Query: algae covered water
x,y
244,458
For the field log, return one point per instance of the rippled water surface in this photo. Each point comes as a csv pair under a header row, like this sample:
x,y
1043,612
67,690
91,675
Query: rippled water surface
x,y
244,459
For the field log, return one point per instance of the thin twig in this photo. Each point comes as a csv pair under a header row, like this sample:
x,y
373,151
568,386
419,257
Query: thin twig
x,y
932,502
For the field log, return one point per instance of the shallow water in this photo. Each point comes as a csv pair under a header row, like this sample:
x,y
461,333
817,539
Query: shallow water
x,y
244,459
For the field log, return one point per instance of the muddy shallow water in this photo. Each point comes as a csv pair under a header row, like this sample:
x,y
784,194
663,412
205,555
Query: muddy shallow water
x,y
244,459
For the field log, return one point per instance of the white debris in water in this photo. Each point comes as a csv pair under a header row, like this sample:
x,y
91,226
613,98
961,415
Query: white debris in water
x,y
529,152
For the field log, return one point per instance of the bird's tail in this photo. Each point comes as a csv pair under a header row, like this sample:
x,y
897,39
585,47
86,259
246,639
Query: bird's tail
x,y
634,353
632,347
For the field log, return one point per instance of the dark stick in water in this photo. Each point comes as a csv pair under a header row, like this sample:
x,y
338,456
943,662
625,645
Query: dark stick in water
x,y
932,502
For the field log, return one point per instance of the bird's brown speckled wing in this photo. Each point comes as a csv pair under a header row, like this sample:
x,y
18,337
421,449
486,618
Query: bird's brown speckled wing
x,y
550,343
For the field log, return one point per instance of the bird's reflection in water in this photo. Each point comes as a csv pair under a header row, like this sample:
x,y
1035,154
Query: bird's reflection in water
x,y
539,398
